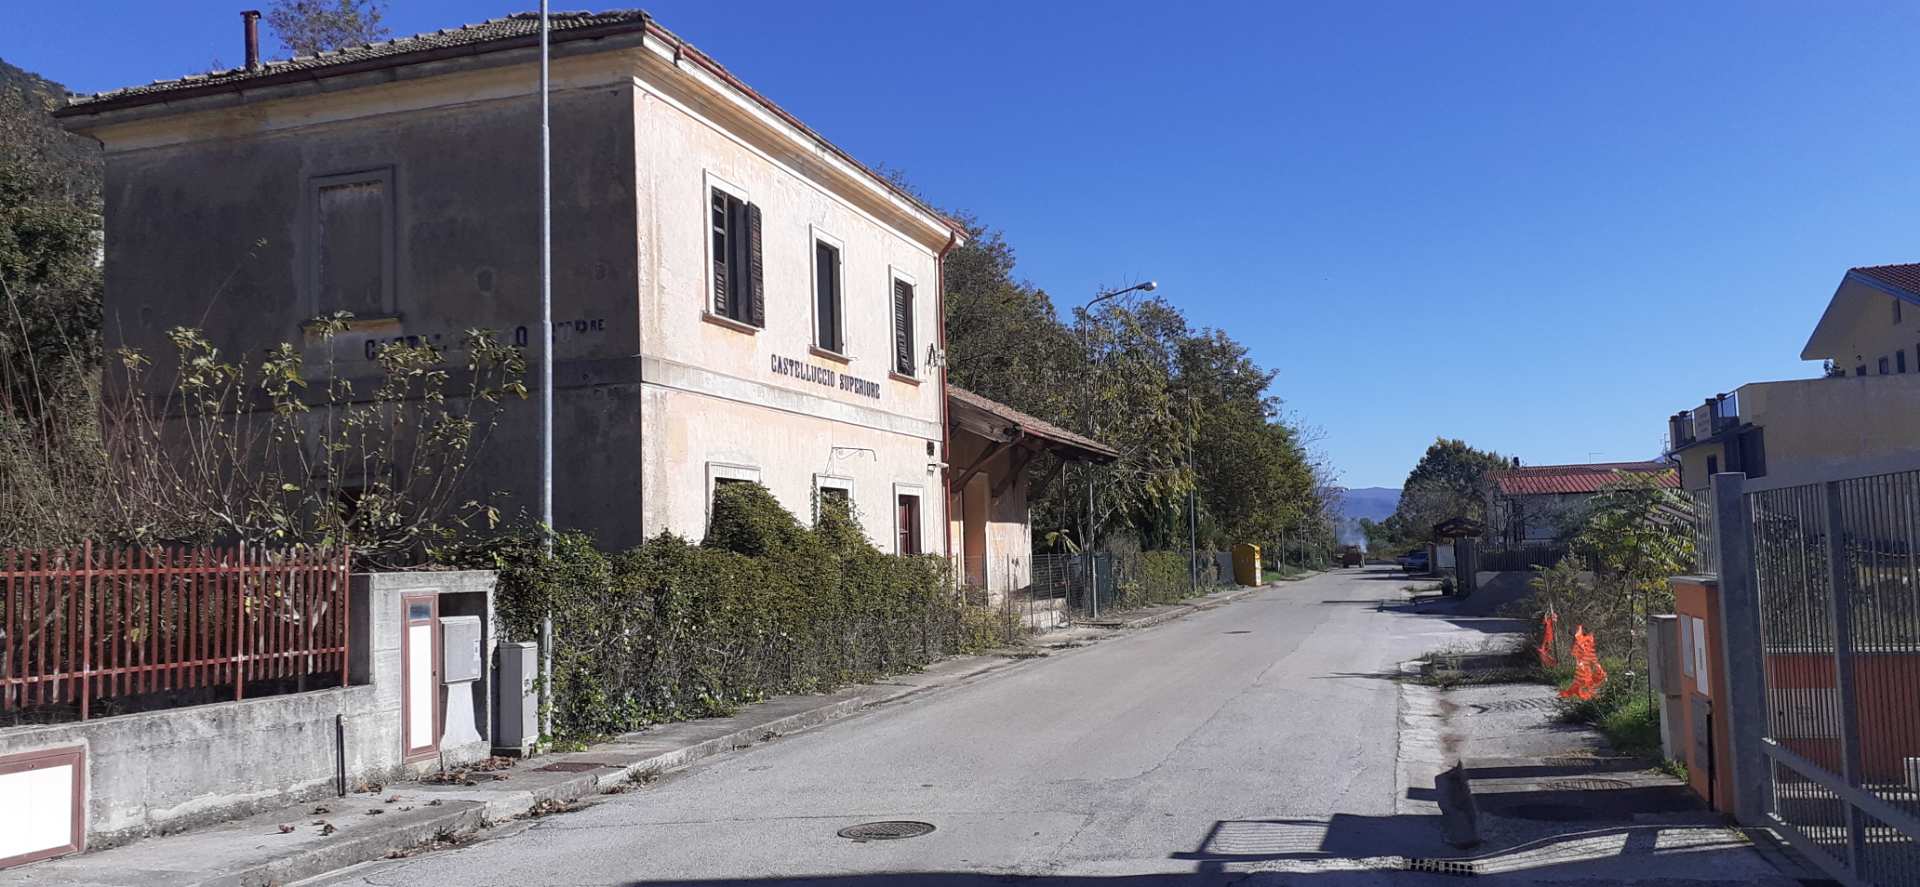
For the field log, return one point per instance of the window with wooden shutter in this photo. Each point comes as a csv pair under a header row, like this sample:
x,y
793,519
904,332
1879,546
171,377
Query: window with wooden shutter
x,y
903,362
738,276
826,297
756,278
352,251
722,253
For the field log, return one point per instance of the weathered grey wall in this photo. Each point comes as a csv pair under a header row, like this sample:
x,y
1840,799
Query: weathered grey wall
x,y
165,770
214,233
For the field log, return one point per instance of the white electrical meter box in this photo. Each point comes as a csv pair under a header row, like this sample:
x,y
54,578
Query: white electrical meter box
x,y
460,638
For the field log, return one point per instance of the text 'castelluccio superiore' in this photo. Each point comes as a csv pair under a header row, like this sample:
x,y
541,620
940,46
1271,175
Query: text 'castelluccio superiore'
x,y
800,369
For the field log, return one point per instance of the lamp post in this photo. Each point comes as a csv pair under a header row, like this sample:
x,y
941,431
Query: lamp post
x,y
1086,314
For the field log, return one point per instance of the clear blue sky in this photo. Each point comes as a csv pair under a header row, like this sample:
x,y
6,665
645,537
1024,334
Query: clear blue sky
x,y
1541,227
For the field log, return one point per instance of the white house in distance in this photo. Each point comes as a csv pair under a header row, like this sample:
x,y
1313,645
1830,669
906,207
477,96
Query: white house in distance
x,y
1542,503
738,298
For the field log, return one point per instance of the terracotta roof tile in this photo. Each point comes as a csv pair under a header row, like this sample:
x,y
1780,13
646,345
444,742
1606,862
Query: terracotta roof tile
x,y
524,24
519,29
1546,480
1906,277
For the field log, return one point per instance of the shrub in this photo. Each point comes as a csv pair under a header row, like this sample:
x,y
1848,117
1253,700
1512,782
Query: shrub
x,y
671,630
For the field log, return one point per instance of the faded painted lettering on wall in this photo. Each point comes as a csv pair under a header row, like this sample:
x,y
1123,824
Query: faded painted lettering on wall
x,y
800,369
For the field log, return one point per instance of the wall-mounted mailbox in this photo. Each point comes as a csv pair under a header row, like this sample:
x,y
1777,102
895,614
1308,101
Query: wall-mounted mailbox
x,y
460,638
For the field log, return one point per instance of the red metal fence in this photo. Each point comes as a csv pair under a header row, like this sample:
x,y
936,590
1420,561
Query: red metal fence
x,y
93,623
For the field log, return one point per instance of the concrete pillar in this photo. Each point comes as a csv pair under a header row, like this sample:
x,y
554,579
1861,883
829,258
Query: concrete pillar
x,y
1742,658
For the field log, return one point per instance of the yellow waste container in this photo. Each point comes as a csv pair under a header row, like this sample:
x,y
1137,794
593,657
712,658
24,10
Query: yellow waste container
x,y
1246,564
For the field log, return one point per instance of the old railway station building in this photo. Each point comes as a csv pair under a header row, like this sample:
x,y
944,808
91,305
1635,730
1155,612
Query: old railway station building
x,y
735,298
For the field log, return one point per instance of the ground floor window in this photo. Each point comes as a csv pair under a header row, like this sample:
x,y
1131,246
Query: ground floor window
x,y
831,491
907,522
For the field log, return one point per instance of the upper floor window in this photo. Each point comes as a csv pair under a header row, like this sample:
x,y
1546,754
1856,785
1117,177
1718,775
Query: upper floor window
x,y
352,243
1896,310
903,362
1900,361
829,320
1883,365
738,280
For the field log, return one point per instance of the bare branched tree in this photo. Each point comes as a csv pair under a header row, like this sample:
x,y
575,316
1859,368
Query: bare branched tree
x,y
312,26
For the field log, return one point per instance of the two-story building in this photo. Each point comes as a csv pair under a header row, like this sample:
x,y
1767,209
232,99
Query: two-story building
x,y
1863,419
736,298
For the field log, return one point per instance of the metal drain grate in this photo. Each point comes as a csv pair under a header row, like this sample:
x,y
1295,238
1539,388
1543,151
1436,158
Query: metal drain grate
x,y
572,766
1587,784
887,830
1459,867
1524,703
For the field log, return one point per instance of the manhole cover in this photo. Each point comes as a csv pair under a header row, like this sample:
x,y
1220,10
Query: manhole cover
x,y
1588,784
886,831
572,766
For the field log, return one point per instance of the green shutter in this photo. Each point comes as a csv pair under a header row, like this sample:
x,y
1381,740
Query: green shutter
x,y
756,279
903,327
722,248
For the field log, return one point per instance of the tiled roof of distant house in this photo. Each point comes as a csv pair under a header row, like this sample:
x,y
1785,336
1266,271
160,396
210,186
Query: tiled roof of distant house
x,y
516,31
1546,480
1032,425
1906,276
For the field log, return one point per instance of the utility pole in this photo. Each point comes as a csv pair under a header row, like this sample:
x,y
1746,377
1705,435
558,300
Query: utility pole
x,y
546,365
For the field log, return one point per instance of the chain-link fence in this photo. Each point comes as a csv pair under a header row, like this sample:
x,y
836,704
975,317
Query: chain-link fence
x,y
1025,595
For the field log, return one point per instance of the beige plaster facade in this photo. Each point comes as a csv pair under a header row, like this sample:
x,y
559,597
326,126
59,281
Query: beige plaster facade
x,y
1812,430
211,222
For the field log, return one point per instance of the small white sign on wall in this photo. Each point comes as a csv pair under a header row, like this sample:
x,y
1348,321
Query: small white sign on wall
x,y
1700,655
1685,653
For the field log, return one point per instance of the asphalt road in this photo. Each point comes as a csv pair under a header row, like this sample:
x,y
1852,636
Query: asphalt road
x,y
1255,736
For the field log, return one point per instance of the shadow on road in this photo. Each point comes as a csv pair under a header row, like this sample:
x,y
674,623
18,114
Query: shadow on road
x,y
1344,849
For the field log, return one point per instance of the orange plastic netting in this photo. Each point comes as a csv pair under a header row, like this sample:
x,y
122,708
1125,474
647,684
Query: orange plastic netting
x,y
1546,646
1588,675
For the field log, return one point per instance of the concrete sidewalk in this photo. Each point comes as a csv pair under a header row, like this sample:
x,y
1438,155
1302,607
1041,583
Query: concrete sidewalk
x,y
279,847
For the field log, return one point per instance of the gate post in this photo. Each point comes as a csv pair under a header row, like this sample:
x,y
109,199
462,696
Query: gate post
x,y
1840,591
1742,657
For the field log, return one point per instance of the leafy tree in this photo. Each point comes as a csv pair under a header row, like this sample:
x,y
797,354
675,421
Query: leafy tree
x,y
307,27
1638,534
1449,481
49,249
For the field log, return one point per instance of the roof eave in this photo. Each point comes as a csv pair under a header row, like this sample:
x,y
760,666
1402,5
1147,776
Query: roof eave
x,y
562,42
1820,344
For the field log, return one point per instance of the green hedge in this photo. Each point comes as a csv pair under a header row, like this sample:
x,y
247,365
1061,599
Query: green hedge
x,y
671,630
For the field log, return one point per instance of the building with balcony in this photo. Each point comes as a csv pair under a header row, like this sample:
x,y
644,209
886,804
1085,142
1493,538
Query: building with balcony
x,y
1864,418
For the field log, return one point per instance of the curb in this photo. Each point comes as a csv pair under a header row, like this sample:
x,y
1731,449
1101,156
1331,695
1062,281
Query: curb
x,y
1178,610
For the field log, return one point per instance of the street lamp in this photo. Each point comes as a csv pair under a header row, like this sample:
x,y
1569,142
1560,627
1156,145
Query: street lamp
x,y
1086,314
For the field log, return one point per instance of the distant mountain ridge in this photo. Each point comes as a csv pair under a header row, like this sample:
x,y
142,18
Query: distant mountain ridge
x,y
1373,503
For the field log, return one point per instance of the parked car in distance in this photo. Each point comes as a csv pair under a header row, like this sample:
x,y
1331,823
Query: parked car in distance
x,y
1414,561
1352,556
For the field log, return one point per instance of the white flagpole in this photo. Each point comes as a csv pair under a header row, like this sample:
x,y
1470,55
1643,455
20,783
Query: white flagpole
x,y
546,368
